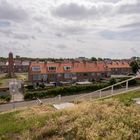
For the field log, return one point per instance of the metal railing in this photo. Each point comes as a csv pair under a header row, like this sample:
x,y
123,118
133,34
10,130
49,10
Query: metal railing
x,y
109,91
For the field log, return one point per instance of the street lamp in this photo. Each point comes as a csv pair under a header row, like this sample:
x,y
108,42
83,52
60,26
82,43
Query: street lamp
x,y
13,92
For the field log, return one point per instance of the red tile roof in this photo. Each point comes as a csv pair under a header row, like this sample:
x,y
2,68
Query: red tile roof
x,y
118,64
75,67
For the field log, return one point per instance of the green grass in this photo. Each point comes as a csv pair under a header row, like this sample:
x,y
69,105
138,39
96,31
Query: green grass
x,y
14,123
22,76
128,98
104,119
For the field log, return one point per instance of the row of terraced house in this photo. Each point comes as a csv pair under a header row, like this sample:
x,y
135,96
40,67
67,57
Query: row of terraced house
x,y
76,70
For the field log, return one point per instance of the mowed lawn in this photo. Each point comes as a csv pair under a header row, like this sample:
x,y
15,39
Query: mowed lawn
x,y
111,118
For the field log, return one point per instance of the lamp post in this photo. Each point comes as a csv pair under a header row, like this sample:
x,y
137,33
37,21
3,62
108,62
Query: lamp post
x,y
13,92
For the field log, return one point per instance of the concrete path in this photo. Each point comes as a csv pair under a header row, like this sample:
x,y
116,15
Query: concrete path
x,y
15,90
93,95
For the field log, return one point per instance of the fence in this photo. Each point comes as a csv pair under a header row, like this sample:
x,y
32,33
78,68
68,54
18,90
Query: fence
x,y
110,90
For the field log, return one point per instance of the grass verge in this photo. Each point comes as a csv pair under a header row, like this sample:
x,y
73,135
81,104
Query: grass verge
x,y
108,119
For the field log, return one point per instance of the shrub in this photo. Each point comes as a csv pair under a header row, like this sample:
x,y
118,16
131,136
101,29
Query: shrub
x,y
70,90
132,82
112,81
29,87
6,98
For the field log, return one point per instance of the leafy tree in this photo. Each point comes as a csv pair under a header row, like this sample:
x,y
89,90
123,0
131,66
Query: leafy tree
x,y
93,59
135,66
100,59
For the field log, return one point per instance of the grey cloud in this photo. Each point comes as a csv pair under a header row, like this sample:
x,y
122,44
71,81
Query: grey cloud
x,y
74,30
9,12
65,31
134,50
107,1
59,34
131,25
15,47
81,41
6,32
133,35
61,46
21,36
74,11
129,8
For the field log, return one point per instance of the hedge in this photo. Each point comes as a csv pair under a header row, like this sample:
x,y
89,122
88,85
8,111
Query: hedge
x,y
63,91
6,98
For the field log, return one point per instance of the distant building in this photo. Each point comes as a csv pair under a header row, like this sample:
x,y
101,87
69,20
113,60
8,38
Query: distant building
x,y
119,67
11,65
76,70
67,71
81,59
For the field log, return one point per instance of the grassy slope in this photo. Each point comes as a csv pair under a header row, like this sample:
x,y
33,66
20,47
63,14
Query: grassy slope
x,y
108,119
128,98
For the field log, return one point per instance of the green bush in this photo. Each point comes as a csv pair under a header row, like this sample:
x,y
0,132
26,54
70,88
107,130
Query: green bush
x,y
130,83
29,87
112,81
6,98
63,91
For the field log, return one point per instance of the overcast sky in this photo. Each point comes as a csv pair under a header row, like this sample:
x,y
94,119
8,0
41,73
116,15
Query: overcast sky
x,y
70,28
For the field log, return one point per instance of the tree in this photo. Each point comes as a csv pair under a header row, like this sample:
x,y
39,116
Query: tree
x,y
135,67
100,59
93,59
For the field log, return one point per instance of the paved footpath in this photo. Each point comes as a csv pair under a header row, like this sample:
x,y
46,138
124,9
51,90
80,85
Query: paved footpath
x,y
94,95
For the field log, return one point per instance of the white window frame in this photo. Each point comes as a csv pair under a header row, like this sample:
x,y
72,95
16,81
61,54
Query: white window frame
x,y
50,68
66,68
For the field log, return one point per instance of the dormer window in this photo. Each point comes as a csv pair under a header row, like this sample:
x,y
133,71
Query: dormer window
x,y
51,68
66,68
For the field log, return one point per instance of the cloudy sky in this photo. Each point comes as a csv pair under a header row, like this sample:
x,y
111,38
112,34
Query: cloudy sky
x,y
70,28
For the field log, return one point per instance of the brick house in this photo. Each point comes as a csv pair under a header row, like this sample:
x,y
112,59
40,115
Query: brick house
x,y
119,68
67,71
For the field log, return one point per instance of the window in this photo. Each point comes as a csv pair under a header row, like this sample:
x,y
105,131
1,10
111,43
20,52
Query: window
x,y
93,74
59,75
67,67
98,74
36,77
36,68
67,75
85,74
51,68
74,75
44,77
